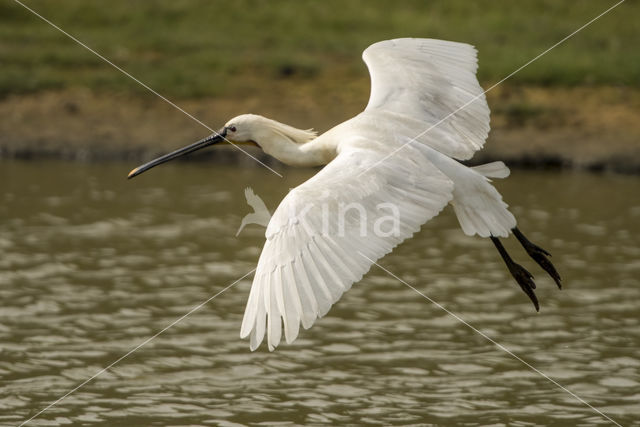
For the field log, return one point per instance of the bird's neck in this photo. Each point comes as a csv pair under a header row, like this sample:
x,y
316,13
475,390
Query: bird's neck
x,y
283,146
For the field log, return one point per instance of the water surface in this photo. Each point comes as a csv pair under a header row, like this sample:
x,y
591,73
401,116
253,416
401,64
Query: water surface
x,y
92,265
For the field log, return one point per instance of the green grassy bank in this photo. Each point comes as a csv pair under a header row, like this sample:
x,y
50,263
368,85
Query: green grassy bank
x,y
299,62
189,49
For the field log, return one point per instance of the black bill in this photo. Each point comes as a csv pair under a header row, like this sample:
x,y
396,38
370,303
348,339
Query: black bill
x,y
210,140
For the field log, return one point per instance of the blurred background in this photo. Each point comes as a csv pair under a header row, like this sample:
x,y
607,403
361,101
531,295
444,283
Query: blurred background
x,y
575,107
91,265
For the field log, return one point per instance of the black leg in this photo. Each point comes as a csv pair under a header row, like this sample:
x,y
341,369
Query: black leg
x,y
539,255
522,276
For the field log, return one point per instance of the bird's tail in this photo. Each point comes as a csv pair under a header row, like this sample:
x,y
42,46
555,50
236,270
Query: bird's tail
x,y
493,170
479,206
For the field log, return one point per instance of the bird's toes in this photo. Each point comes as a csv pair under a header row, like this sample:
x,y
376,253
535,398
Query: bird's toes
x,y
522,275
525,280
547,266
538,249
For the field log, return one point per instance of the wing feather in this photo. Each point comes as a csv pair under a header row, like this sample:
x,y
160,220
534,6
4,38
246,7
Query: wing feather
x,y
311,306
309,261
274,315
418,83
321,290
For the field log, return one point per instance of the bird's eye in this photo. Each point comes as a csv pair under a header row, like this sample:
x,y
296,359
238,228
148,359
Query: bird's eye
x,y
232,128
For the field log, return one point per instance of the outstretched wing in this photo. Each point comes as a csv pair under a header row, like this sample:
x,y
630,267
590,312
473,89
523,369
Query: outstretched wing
x,y
326,232
420,82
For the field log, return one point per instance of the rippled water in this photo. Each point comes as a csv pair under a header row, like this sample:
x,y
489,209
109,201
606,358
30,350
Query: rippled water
x,y
92,265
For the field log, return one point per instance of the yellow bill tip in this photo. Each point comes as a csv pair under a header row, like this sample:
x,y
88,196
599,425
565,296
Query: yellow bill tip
x,y
133,171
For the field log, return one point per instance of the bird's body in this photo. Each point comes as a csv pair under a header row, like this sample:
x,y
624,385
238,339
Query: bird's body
x,y
388,171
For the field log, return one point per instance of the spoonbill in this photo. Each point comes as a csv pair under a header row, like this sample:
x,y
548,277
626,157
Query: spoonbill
x,y
397,161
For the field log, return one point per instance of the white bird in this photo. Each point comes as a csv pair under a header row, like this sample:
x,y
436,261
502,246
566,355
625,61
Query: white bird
x,y
388,170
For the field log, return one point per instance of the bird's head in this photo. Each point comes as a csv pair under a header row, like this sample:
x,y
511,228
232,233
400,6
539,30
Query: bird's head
x,y
246,129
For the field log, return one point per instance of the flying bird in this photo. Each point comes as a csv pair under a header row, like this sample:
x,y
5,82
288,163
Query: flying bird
x,y
388,170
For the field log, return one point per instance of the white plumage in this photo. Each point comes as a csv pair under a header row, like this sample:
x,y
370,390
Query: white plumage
x,y
306,265
389,170
418,82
